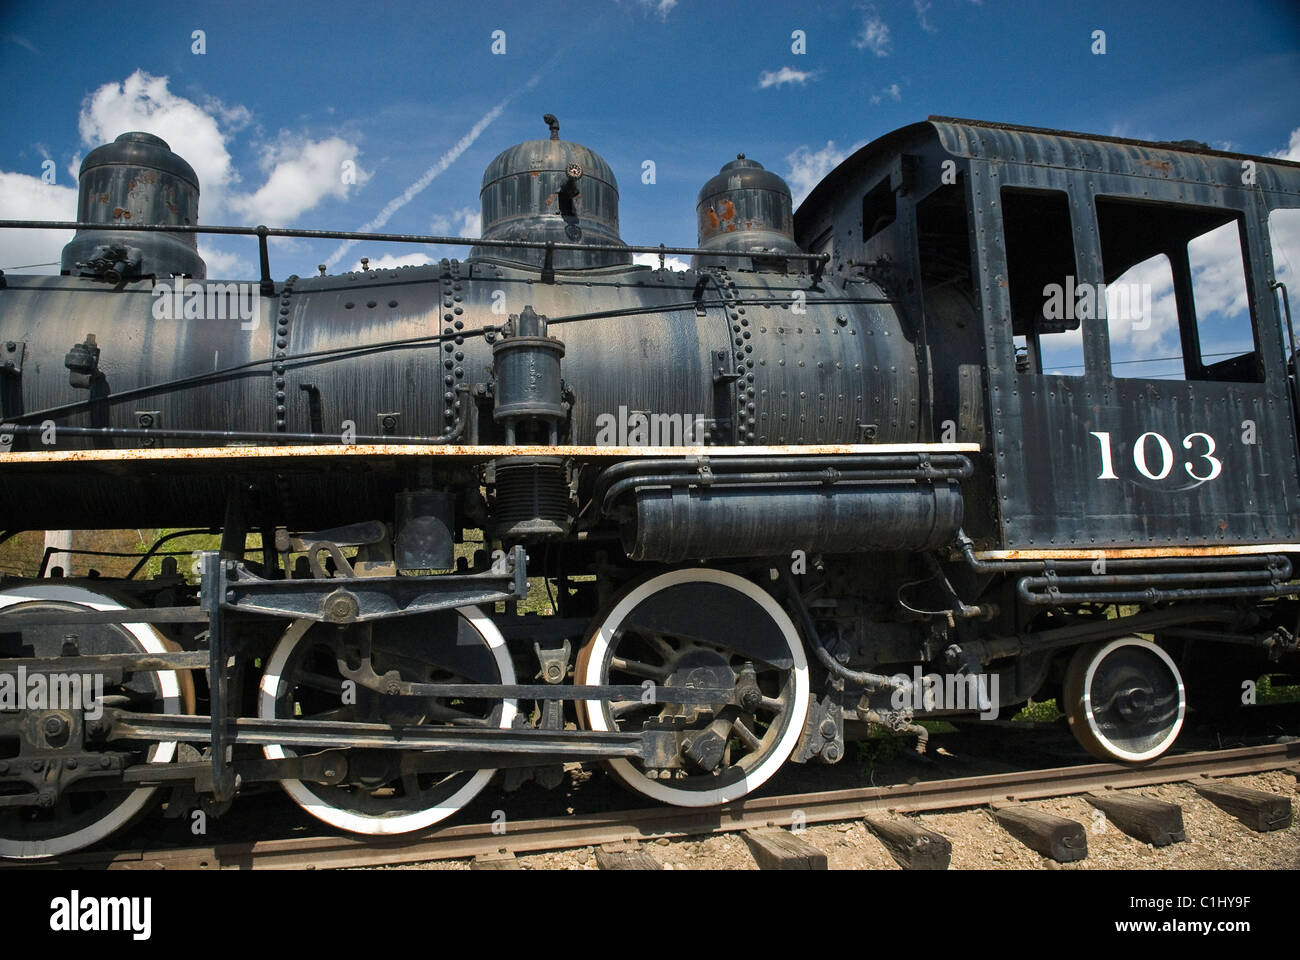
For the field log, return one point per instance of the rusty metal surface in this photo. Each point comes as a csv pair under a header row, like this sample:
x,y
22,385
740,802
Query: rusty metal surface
x,y
467,452
1120,553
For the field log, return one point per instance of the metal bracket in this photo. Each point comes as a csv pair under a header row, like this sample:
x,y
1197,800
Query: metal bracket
x,y
721,360
149,420
349,599
314,412
11,358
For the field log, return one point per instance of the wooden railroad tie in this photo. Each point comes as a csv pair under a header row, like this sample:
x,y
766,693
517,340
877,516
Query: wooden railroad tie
x,y
613,856
777,849
910,844
1060,838
1142,818
495,861
1258,810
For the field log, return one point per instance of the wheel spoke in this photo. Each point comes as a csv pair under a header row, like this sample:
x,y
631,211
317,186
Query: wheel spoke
x,y
666,649
771,705
746,735
622,708
318,681
338,714
440,712
639,668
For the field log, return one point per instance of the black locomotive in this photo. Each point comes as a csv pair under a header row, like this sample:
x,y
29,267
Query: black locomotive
x,y
833,475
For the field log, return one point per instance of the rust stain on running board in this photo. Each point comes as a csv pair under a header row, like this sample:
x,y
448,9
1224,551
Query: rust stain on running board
x,y
481,452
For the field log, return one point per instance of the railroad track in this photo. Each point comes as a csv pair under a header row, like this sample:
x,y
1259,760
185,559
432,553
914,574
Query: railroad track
x,y
612,827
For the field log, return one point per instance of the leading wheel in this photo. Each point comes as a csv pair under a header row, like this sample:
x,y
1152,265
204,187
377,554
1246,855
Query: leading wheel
x,y
1124,699
81,815
383,795
706,629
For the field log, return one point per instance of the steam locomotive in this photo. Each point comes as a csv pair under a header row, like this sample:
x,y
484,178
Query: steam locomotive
x,y
834,475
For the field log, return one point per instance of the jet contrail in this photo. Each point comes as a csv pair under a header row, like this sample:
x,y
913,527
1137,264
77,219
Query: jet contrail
x,y
445,161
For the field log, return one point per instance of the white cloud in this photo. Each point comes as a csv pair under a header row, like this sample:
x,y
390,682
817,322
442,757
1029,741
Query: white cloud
x,y
922,8
1292,150
223,265
302,173
143,102
652,260
892,92
31,47
777,78
388,261
1149,326
660,8
1284,232
30,198
808,167
874,35
466,222
426,178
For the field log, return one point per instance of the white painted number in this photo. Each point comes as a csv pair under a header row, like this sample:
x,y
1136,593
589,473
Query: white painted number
x,y
1107,467
1216,467
1142,451
1140,456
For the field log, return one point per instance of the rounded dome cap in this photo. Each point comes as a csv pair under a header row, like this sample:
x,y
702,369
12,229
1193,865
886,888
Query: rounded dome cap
x,y
138,149
136,179
550,190
745,208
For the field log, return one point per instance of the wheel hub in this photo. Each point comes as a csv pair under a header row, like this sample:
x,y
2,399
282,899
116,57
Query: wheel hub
x,y
701,669
1135,703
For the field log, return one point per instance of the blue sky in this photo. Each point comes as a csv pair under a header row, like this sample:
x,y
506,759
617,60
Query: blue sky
x,y
286,94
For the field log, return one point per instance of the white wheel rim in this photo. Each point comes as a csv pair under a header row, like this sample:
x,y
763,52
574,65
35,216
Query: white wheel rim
x,y
794,722
151,642
1112,748
403,823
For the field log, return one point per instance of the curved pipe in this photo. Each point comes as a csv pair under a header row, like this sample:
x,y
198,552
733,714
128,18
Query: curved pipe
x,y
870,681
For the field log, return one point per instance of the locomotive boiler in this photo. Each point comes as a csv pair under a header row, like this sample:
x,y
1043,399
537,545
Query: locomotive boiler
x,y
763,495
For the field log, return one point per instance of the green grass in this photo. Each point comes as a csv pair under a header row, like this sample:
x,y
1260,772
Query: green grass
x,y
1045,711
1268,692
